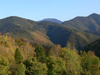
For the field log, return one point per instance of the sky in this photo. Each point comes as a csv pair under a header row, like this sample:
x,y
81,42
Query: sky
x,y
40,9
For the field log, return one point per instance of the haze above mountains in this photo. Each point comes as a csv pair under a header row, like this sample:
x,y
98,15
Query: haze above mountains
x,y
79,31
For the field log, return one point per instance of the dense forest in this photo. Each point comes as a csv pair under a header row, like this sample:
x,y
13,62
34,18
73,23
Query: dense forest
x,y
18,57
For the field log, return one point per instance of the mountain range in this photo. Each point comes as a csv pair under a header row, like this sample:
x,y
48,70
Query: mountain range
x,y
79,31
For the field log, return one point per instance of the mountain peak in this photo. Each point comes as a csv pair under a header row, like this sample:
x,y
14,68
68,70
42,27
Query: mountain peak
x,y
52,20
93,15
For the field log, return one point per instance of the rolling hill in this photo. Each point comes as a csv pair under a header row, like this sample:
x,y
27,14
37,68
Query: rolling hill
x,y
22,28
45,32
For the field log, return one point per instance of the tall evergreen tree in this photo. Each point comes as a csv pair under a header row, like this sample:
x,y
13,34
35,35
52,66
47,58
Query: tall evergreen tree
x,y
40,53
18,56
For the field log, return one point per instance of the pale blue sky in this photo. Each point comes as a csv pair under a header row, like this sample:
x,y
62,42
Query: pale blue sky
x,y
40,9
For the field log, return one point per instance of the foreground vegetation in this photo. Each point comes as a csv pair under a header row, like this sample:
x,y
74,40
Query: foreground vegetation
x,y
18,57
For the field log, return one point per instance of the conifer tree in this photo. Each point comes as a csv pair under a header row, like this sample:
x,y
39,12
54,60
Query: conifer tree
x,y
18,56
40,53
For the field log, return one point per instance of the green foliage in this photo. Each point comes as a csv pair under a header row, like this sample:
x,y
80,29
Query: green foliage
x,y
28,62
61,66
55,66
4,67
21,69
96,61
70,55
18,56
52,66
40,53
90,63
35,68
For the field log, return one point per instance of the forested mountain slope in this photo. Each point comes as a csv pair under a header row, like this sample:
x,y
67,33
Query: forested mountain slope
x,y
45,33
22,28
90,23
94,46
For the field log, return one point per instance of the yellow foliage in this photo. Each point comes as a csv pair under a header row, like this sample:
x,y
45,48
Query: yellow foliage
x,y
8,47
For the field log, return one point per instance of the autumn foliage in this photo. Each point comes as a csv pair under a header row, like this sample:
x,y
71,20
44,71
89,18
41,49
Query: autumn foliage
x,y
18,57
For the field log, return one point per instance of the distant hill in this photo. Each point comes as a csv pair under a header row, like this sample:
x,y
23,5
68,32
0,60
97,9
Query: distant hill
x,y
45,32
89,23
52,20
94,46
